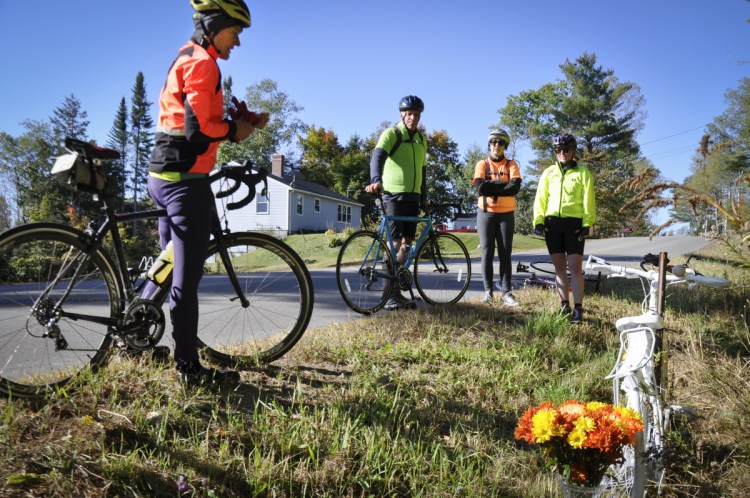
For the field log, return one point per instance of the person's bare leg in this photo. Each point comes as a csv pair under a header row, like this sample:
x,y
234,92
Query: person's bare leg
x,y
561,275
575,264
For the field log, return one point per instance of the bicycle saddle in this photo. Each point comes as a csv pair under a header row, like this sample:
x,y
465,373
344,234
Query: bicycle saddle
x,y
91,151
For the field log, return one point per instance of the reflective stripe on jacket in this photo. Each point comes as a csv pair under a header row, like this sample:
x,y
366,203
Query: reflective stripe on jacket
x,y
565,194
191,114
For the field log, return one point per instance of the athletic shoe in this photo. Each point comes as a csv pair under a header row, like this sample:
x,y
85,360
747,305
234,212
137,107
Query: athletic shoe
x,y
577,315
565,310
509,300
194,374
488,297
398,302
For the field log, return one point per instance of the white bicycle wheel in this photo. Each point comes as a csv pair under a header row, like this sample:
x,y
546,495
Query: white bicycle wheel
x,y
642,466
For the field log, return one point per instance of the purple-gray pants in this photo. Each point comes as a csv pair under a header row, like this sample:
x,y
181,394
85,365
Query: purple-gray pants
x,y
188,226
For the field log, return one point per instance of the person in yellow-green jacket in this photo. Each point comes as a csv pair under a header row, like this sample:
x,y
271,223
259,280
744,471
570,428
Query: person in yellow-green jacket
x,y
398,170
564,212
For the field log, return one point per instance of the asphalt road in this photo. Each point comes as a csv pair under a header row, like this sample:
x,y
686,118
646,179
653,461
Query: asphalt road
x,y
330,308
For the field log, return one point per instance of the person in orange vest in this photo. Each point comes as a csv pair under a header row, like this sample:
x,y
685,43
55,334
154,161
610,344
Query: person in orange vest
x,y
190,127
497,179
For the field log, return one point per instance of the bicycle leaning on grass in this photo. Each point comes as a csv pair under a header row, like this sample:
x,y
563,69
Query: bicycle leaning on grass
x,y
546,278
367,270
68,296
639,374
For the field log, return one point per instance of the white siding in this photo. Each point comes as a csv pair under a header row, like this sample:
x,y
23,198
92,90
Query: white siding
x,y
325,219
245,218
282,216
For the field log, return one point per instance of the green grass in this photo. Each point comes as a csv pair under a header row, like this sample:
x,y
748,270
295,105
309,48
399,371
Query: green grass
x,y
418,403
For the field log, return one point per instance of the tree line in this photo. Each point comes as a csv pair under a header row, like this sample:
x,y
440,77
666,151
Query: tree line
x,y
588,100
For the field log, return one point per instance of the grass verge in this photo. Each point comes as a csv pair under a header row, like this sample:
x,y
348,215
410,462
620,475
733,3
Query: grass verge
x,y
413,403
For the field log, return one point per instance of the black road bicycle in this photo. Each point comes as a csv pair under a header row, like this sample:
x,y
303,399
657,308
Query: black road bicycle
x,y
68,296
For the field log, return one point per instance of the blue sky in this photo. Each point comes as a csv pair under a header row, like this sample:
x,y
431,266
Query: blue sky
x,y
348,62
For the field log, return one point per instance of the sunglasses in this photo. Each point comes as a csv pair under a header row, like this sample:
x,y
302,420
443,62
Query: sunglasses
x,y
497,142
562,149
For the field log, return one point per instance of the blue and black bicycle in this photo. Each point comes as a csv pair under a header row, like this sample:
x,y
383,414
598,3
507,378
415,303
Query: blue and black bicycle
x,y
438,264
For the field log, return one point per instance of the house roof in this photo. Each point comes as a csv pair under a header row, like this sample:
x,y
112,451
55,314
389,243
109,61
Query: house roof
x,y
296,183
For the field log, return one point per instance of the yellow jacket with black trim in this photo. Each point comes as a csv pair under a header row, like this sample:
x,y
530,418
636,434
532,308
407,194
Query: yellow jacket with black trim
x,y
565,194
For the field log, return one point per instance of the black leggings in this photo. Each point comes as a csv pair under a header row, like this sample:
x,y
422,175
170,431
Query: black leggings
x,y
496,230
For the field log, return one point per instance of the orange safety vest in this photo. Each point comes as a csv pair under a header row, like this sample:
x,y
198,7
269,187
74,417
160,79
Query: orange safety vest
x,y
191,114
502,171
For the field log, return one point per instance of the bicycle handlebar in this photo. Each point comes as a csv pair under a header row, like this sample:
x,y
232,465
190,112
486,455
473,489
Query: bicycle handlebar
x,y
689,276
239,175
430,208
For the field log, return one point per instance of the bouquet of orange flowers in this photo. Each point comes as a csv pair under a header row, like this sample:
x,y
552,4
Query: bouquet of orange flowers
x,y
581,440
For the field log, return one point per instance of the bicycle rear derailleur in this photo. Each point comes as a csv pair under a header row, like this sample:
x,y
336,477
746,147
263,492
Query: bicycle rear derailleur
x,y
143,325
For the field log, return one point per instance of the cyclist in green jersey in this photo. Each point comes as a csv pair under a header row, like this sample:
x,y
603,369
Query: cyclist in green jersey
x,y
398,171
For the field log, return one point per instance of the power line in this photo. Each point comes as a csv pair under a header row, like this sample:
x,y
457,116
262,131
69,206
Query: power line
x,y
676,134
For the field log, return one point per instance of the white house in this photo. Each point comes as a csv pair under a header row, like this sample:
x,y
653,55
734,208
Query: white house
x,y
293,205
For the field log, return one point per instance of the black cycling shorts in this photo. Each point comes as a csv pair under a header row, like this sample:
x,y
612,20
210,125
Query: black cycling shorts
x,y
401,229
560,237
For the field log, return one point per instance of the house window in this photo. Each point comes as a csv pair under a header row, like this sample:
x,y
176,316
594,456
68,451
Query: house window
x,y
344,213
299,204
261,204
317,205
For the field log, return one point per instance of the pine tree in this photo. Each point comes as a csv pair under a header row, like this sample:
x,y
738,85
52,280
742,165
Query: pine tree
x,y
142,139
603,113
118,139
69,120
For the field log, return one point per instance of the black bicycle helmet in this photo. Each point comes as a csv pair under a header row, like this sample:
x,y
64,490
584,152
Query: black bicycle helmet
x,y
499,134
564,141
411,103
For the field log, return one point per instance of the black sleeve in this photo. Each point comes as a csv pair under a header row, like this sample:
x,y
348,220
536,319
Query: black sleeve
x,y
489,188
511,188
376,165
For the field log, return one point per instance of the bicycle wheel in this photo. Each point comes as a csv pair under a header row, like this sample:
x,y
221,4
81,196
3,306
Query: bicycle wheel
x,y
642,465
442,270
49,280
545,267
280,298
360,276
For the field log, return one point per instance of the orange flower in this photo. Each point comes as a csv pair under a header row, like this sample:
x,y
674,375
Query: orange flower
x,y
580,440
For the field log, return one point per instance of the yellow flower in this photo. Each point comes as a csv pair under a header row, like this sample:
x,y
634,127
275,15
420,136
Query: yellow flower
x,y
627,412
594,405
576,438
544,426
585,424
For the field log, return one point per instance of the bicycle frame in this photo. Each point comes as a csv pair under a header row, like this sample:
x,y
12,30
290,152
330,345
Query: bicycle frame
x,y
384,227
640,370
112,221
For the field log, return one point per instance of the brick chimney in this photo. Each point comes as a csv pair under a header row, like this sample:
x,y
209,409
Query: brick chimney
x,y
277,165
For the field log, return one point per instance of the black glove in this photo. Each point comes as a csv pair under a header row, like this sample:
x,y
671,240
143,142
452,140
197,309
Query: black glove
x,y
582,233
539,230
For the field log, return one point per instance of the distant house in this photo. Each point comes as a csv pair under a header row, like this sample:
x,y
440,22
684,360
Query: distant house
x,y
465,223
293,205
